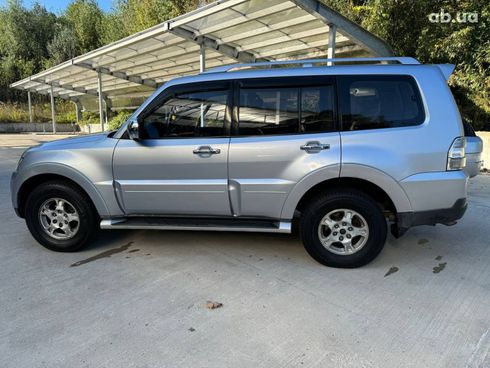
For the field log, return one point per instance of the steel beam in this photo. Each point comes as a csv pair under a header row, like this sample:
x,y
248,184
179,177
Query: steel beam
x,y
351,29
120,75
47,93
213,44
68,87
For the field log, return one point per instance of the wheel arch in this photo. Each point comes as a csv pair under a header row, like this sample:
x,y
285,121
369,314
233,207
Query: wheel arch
x,y
362,185
375,183
76,179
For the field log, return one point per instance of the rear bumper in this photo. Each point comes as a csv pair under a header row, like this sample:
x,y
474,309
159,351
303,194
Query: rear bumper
x,y
474,149
474,164
446,216
433,190
436,198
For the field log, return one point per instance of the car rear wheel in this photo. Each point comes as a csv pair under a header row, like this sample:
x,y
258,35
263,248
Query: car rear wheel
x,y
343,228
61,217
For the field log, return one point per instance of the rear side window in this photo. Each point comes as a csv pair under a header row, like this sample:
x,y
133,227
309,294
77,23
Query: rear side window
x,y
317,109
268,111
286,110
379,101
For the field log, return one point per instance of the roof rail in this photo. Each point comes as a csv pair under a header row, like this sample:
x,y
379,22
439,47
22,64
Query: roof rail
x,y
310,62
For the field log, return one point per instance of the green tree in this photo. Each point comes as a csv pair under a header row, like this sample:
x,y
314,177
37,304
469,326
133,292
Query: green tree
x,y
63,46
466,44
25,33
85,18
131,16
184,6
24,36
138,15
406,26
112,29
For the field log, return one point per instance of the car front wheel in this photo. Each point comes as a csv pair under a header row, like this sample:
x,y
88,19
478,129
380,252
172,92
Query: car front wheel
x,y
60,216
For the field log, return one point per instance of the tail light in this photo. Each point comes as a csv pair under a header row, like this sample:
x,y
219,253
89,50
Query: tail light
x,y
456,159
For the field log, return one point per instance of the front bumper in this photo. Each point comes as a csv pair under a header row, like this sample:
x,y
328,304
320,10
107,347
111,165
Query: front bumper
x,y
13,193
446,216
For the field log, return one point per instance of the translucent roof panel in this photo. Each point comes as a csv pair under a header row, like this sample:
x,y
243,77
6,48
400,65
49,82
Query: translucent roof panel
x,y
230,31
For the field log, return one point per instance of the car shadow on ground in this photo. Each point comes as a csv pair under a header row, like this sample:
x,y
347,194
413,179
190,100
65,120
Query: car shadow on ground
x,y
419,247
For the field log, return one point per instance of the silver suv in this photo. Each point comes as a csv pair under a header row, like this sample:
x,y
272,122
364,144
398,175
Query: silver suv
x,y
342,151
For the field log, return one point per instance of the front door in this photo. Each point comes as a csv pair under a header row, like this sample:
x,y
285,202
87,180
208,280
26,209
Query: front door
x,y
283,130
179,167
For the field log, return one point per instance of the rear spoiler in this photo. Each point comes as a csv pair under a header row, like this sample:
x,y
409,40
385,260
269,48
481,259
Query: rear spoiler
x,y
446,70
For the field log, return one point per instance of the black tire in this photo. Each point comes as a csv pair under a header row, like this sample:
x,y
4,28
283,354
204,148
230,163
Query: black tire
x,y
88,218
332,200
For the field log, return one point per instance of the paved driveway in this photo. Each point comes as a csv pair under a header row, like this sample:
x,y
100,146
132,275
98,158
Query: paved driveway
x,y
138,298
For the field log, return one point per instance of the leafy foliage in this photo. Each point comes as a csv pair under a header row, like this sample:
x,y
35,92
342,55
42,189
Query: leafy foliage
x,y
24,35
406,27
131,16
119,119
63,46
86,19
89,117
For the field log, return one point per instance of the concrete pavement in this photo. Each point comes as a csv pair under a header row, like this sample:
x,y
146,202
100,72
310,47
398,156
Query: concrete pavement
x,y
26,140
138,298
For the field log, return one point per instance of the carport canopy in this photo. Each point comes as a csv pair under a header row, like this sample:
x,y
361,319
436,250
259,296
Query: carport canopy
x,y
122,74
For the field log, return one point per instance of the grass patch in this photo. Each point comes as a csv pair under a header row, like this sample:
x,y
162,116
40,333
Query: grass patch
x,y
65,114
19,113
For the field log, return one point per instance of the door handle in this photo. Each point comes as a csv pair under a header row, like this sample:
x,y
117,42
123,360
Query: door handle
x,y
315,146
206,150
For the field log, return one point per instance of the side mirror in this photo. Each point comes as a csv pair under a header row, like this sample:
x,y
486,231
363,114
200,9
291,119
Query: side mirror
x,y
133,130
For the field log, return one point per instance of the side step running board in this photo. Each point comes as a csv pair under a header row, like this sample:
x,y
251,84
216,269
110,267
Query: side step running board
x,y
199,224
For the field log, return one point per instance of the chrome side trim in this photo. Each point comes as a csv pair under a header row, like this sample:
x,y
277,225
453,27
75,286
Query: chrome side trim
x,y
280,227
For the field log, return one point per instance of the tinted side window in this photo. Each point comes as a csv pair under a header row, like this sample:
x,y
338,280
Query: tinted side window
x,y
373,102
286,110
268,111
192,114
317,109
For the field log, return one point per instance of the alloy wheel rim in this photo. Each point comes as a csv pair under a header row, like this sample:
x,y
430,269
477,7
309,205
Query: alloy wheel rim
x,y
59,218
343,231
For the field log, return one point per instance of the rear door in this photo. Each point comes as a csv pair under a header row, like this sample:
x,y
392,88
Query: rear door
x,y
282,130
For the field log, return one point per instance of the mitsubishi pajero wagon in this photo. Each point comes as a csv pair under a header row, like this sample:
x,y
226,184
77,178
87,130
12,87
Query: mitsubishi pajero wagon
x,y
346,152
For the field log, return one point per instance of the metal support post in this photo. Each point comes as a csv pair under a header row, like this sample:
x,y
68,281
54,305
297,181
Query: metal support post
x,y
101,101
53,110
332,33
29,102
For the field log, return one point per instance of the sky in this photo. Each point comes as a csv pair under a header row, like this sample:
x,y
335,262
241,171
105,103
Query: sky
x,y
57,6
